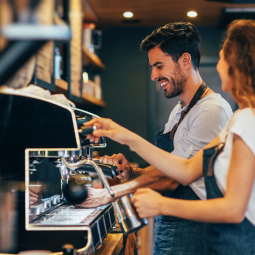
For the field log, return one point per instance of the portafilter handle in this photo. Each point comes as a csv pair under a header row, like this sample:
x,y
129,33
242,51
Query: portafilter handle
x,y
86,130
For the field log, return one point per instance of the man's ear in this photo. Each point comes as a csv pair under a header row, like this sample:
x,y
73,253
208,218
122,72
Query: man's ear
x,y
185,61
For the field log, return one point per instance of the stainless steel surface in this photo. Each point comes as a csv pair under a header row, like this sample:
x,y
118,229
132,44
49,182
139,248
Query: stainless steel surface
x,y
51,154
56,199
101,175
127,215
73,166
87,113
63,171
37,209
65,216
47,204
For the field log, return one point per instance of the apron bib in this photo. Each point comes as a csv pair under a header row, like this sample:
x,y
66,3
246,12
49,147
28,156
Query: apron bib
x,y
224,239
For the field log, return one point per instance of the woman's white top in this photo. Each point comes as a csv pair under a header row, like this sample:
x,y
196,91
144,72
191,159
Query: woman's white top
x,y
241,123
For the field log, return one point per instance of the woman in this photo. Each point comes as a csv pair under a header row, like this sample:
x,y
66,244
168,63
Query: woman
x,y
227,163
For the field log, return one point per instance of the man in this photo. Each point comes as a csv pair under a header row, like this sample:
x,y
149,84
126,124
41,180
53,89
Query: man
x,y
174,55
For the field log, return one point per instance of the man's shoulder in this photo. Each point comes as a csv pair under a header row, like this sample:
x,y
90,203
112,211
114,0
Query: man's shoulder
x,y
214,102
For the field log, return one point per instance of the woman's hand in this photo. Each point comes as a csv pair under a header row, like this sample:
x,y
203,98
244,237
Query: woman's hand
x,y
147,202
110,129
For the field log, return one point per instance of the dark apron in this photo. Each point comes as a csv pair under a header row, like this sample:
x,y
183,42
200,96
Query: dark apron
x,y
175,235
224,239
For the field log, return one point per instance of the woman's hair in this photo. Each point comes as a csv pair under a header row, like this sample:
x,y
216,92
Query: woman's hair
x,y
239,53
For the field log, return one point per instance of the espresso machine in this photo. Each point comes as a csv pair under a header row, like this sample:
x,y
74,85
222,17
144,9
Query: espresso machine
x,y
46,157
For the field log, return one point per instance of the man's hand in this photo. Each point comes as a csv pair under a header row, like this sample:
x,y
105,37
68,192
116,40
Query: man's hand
x,y
147,202
119,160
96,197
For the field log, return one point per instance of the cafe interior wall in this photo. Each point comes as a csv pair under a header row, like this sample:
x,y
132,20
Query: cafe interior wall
x,y
131,98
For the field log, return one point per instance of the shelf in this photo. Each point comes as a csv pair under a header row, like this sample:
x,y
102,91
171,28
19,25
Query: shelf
x,y
91,58
36,32
61,84
90,100
87,99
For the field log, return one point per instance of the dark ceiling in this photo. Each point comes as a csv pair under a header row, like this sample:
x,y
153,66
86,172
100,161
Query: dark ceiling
x,y
160,12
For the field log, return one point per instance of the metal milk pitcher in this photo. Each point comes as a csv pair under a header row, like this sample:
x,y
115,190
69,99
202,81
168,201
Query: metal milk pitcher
x,y
127,215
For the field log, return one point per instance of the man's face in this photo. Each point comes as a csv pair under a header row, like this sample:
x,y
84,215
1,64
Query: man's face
x,y
167,72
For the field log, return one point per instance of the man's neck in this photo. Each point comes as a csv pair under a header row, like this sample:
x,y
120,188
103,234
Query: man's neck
x,y
193,82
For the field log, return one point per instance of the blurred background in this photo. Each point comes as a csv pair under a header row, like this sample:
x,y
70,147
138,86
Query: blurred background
x,y
88,50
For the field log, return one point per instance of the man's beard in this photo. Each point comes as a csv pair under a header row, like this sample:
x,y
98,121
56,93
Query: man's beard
x,y
177,85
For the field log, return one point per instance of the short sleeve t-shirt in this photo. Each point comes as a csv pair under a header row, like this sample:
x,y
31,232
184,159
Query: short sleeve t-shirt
x,y
242,123
202,124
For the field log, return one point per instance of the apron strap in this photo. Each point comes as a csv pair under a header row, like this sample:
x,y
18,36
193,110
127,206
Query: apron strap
x,y
218,149
194,100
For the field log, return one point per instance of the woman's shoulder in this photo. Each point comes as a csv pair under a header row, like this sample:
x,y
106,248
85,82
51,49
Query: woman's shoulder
x,y
242,123
244,117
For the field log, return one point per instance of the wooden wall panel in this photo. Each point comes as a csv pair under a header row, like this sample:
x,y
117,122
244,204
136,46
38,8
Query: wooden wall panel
x,y
76,50
6,16
44,57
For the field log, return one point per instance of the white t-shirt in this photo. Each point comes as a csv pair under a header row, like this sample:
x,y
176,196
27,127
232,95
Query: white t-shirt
x,y
202,124
242,123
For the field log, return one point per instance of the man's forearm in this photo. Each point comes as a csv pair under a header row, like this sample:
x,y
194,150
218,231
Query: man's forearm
x,y
137,172
150,179
161,185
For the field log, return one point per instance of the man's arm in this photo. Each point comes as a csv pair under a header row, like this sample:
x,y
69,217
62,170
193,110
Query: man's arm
x,y
152,179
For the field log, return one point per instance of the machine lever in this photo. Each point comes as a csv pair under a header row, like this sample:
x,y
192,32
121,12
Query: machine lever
x,y
85,130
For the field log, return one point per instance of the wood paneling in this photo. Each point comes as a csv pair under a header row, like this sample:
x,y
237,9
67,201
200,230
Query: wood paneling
x,y
160,12
44,57
76,51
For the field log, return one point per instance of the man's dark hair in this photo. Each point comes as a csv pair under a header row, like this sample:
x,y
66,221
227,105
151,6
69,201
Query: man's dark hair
x,y
175,39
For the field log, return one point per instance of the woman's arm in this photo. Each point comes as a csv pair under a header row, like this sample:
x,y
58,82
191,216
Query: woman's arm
x,y
181,170
229,209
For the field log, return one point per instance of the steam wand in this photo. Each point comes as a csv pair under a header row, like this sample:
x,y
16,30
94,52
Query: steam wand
x,y
88,161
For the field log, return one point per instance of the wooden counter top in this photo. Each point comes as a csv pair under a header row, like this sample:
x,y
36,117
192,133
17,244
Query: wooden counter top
x,y
111,245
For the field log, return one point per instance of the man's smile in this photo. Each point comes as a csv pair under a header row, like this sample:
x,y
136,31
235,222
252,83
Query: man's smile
x,y
163,83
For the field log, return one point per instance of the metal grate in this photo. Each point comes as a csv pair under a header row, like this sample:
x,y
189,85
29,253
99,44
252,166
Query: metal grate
x,y
67,216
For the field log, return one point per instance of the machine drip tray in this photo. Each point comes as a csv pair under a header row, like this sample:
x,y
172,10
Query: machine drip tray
x,y
100,220
69,215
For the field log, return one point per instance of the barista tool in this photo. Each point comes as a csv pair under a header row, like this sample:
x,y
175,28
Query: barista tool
x,y
127,215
